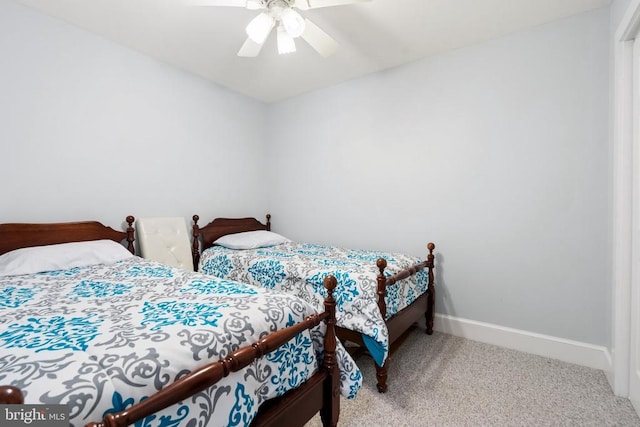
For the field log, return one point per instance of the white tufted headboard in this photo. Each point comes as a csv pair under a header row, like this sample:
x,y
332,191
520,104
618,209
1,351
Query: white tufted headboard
x,y
165,240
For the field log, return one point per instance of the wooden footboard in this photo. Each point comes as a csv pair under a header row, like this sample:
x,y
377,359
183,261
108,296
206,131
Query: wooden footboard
x,y
384,282
401,321
320,393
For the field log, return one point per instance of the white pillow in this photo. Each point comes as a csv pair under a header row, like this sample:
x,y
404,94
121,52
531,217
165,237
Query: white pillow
x,y
62,256
251,240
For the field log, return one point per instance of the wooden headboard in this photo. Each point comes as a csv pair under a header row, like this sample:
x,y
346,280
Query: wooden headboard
x,y
24,235
221,227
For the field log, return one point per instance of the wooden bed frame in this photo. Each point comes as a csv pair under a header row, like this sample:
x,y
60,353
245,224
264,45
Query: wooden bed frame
x,y
321,393
396,325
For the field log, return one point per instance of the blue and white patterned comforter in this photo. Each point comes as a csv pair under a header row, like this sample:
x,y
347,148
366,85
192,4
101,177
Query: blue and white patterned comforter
x,y
102,338
299,268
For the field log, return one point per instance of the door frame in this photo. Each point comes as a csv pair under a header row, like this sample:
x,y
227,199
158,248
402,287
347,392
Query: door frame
x,y
622,137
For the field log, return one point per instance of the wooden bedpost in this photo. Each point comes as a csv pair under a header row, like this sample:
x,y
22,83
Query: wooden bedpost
x,y
268,222
195,247
382,287
431,289
381,371
130,234
331,409
10,395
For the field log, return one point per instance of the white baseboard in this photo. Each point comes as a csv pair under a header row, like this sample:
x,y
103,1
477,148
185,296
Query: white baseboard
x,y
592,356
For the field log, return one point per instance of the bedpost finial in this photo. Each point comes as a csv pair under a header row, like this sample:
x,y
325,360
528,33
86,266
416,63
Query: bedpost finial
x,y
381,263
431,247
131,234
195,219
11,395
330,282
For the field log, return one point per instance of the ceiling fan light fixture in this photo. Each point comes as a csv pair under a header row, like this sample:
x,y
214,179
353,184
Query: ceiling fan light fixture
x,y
259,28
285,41
292,22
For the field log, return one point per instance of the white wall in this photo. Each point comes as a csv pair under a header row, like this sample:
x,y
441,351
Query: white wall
x,y
91,130
618,8
498,153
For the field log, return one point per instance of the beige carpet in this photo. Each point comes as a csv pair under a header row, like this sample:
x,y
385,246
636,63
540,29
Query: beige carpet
x,y
442,380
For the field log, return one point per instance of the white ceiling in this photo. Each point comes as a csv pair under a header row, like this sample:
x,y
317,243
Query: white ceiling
x,y
373,36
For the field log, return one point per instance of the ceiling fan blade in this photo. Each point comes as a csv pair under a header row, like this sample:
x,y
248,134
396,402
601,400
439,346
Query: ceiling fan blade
x,y
322,42
232,3
250,48
314,4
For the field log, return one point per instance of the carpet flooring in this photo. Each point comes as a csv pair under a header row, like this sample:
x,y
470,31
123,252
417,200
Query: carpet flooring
x,y
443,380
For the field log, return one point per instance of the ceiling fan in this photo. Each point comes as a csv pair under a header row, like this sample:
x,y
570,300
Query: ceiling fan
x,y
288,22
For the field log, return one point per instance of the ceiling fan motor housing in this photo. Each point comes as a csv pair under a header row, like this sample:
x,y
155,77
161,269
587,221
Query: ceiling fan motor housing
x,y
268,4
